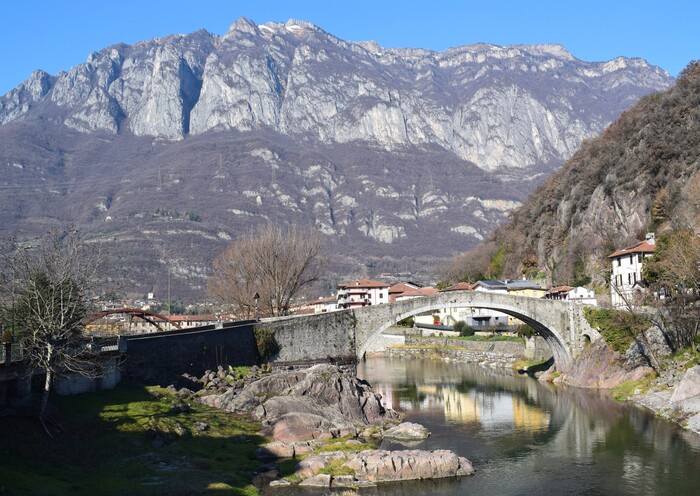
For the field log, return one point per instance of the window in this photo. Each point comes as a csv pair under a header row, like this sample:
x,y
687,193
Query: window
x,y
640,257
619,262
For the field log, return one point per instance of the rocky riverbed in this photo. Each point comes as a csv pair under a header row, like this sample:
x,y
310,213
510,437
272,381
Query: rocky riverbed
x,y
303,411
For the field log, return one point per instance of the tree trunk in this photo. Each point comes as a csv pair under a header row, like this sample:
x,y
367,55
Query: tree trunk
x,y
47,382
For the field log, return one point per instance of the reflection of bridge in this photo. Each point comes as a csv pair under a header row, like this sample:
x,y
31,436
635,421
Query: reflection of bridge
x,y
561,324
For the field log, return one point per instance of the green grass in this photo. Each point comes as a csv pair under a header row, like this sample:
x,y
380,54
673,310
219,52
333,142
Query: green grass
x,y
336,467
342,445
627,389
617,327
106,447
490,339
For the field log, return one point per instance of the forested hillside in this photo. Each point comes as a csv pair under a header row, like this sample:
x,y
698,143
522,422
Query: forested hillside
x,y
641,174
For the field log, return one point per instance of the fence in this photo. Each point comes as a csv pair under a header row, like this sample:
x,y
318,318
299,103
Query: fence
x,y
13,353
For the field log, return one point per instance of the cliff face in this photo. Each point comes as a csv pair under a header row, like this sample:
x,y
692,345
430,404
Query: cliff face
x,y
495,106
386,150
641,174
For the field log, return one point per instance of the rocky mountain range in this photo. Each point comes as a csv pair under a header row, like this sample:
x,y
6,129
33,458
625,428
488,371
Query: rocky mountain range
x,y
641,175
166,150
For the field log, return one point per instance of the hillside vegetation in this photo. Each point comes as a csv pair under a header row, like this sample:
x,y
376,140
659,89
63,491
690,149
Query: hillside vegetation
x,y
640,175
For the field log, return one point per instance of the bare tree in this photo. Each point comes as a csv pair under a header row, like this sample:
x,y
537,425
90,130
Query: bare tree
x,y
674,271
51,285
270,262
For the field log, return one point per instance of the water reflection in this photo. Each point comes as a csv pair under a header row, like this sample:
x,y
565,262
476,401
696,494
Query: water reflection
x,y
525,437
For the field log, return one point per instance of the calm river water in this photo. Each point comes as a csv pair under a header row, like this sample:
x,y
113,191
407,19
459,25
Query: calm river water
x,y
527,438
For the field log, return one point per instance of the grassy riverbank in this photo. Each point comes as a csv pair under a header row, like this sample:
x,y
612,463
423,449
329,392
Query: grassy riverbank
x,y
136,441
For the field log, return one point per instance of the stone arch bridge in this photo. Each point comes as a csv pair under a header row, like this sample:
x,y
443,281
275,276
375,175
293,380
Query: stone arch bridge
x,y
352,332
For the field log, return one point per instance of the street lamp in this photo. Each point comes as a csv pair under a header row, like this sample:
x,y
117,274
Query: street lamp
x,y
256,297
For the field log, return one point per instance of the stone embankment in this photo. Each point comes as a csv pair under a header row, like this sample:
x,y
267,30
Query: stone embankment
x,y
674,394
494,354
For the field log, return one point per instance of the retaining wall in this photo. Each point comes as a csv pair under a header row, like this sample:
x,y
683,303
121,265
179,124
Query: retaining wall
x,y
161,358
320,337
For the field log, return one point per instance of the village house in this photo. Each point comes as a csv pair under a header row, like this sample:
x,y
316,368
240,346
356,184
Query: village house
x,y
322,305
400,288
362,292
581,295
626,281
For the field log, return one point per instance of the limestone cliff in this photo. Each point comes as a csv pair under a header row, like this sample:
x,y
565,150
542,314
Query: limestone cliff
x,y
174,145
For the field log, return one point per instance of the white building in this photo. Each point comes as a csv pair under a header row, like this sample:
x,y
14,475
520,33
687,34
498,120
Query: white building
x,y
626,281
581,295
323,305
361,293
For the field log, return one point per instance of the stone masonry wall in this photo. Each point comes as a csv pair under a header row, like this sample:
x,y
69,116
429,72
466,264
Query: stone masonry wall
x,y
318,337
163,357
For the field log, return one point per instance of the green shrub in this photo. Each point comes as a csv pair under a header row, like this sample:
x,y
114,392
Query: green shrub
x,y
463,328
618,328
525,331
266,343
407,322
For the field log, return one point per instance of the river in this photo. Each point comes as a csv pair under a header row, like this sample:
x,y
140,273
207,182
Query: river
x,y
528,438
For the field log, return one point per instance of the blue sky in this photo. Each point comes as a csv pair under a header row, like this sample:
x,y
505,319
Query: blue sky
x,y
56,35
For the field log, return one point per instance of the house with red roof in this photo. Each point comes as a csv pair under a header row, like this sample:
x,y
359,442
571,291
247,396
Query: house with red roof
x,y
626,281
362,292
400,288
578,294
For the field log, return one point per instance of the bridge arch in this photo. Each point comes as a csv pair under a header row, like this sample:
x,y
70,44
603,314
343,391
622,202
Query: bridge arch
x,y
561,324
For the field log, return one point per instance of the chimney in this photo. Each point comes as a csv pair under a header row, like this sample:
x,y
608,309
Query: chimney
x,y
650,238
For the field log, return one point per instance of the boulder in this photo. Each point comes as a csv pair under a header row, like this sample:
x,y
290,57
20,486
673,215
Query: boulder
x,y
292,427
275,449
599,366
407,431
318,402
689,385
384,466
311,465
321,480
280,449
343,481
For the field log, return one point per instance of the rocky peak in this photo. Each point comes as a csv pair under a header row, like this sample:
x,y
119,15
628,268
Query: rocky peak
x,y
485,103
242,25
385,150
21,99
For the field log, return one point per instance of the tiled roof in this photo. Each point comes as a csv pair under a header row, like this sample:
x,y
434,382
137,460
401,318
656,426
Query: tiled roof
x,y
460,286
401,287
521,284
327,299
490,284
363,283
641,247
419,292
192,318
560,289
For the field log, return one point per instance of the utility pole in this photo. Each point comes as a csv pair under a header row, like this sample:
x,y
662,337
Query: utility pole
x,y
169,315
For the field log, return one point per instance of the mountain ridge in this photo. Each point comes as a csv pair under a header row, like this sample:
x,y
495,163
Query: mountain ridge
x,y
383,149
642,174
